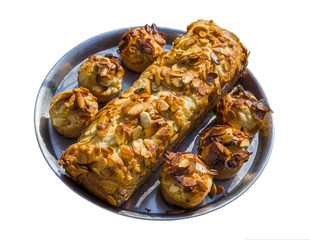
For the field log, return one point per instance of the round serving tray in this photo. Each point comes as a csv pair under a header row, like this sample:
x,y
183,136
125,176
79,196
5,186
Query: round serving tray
x,y
146,202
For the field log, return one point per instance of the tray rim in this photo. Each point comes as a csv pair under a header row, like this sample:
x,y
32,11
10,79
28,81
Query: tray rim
x,y
130,213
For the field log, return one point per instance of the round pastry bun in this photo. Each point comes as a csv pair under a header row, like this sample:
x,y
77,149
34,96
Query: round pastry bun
x,y
102,75
242,110
70,109
185,180
222,148
140,47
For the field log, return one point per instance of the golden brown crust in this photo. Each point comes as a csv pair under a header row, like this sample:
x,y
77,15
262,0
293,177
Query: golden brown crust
x,y
70,109
222,148
168,100
102,75
241,109
185,180
140,47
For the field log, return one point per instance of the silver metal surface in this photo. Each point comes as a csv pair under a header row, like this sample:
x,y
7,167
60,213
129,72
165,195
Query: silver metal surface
x,y
146,202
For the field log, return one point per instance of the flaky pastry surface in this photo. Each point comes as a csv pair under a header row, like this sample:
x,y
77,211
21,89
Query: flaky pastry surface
x,y
124,143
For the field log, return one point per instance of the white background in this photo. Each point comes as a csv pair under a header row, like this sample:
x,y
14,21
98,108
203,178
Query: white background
x,y
35,204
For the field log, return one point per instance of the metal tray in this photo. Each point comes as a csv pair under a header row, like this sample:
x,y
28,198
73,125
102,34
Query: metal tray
x,y
146,202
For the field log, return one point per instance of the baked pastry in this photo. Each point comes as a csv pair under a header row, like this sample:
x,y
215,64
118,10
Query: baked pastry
x,y
70,109
185,180
241,109
222,148
102,75
124,143
140,47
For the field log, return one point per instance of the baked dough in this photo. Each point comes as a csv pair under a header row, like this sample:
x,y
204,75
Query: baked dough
x,y
124,143
102,75
185,180
222,148
140,47
241,109
70,109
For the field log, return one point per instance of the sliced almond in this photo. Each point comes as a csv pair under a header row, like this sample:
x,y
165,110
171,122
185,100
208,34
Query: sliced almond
x,y
162,105
80,100
121,135
159,39
202,34
202,184
148,86
109,186
164,71
136,147
111,200
177,81
245,143
126,151
150,145
133,108
184,163
137,132
65,95
145,120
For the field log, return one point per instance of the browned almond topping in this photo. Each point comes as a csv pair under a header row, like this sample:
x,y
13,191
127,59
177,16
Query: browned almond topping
x,y
210,77
239,102
137,132
176,159
148,86
192,166
215,59
184,163
136,146
104,61
202,34
202,184
159,39
213,191
199,28
230,116
217,50
168,156
227,65
245,143
126,152
262,105
249,103
150,145
121,135
145,120
80,100
191,40
202,89
65,95
188,182
165,70
133,108
219,189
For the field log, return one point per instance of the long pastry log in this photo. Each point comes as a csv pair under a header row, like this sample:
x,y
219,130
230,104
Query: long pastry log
x,y
124,143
